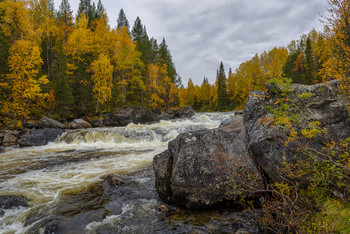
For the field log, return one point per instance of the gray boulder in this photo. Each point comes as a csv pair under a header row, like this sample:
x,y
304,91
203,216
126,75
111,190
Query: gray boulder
x,y
135,115
39,137
207,168
303,105
80,123
51,123
184,112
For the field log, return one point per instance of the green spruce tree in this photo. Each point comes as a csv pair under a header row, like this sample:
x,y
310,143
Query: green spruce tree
x,y
222,103
309,63
123,21
164,57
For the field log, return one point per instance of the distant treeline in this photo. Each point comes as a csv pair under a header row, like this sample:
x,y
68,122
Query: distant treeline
x,y
315,57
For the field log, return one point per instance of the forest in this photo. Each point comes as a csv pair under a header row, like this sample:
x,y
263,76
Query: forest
x,y
63,65
58,64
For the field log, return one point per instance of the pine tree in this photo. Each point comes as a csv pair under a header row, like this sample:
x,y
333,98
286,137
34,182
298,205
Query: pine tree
x,y
64,13
309,63
123,21
153,57
222,101
164,57
140,37
100,10
88,9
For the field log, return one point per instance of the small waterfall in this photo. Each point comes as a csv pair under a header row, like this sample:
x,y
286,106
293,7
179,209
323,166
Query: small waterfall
x,y
80,158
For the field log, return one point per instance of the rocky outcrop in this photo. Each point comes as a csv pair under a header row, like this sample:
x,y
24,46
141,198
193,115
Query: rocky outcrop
x,y
80,123
206,168
39,137
296,107
280,125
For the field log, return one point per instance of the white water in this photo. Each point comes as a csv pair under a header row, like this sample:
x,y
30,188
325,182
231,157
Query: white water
x,y
79,159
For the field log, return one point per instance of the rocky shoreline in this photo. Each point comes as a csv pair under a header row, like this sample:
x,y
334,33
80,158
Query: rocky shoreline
x,y
236,161
38,133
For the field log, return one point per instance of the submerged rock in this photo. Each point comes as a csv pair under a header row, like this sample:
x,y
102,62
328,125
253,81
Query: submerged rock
x,y
206,168
12,201
80,123
114,180
271,144
39,137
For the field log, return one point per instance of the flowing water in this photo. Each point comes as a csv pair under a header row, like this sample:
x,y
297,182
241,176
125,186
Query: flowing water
x,y
66,191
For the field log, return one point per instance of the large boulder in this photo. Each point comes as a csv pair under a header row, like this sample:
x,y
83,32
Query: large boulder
x,y
39,137
51,123
275,120
135,115
80,123
207,168
10,138
182,112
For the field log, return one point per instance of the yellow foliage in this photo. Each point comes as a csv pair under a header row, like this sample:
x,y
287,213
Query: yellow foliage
x,y
25,91
128,65
16,23
338,33
80,40
312,130
102,79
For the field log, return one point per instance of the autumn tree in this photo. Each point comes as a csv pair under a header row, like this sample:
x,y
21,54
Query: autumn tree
x,y
45,27
128,67
338,33
16,21
164,93
25,91
79,52
102,78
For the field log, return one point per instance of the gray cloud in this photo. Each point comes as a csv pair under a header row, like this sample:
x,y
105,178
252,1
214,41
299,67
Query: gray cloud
x,y
201,33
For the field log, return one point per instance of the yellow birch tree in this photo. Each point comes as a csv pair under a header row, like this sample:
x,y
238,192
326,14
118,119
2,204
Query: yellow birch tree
x,y
102,79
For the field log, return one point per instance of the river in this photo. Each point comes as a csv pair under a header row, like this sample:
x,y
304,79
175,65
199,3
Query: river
x,y
66,191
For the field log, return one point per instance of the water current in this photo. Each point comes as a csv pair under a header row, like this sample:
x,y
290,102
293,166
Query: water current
x,y
66,191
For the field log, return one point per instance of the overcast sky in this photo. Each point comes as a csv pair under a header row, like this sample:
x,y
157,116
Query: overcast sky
x,y
201,33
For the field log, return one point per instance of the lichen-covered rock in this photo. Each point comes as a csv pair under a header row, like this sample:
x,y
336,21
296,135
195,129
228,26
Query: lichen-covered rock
x,y
206,168
275,120
80,123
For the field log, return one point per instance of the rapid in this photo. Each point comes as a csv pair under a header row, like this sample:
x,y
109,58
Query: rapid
x,y
66,191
